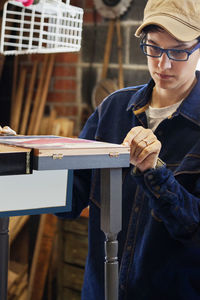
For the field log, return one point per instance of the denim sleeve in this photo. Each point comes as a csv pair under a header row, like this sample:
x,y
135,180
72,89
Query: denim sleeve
x,y
172,203
82,178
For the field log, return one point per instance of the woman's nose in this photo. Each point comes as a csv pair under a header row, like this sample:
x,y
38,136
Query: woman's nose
x,y
164,62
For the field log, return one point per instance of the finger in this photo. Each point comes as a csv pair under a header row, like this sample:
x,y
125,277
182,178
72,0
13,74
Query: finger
x,y
150,149
138,148
143,144
131,135
144,135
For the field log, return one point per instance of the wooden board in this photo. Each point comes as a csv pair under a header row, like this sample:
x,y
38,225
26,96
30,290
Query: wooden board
x,y
58,153
48,145
42,255
13,149
14,160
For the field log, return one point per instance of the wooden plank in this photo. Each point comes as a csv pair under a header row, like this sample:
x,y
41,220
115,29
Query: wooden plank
x,y
48,145
15,226
70,294
15,118
36,102
75,249
18,280
40,111
27,103
73,277
51,120
23,296
120,58
41,257
12,277
79,226
66,127
12,149
44,125
14,85
112,151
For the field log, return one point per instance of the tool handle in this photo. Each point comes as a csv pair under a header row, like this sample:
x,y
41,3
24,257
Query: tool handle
x,y
120,58
108,48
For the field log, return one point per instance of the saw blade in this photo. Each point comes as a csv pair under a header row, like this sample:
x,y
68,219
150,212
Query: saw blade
x,y
112,9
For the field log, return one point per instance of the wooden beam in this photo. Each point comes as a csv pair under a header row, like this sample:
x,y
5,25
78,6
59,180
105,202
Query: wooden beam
x,y
41,257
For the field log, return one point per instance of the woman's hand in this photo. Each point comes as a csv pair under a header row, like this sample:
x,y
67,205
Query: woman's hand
x,y
144,147
6,130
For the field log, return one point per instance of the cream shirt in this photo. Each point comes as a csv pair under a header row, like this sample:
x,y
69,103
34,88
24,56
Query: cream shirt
x,y
157,115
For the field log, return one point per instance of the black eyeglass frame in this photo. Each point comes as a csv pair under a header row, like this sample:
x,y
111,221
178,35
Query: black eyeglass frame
x,y
162,50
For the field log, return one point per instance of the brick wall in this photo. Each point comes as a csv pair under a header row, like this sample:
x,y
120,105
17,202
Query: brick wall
x,y
75,74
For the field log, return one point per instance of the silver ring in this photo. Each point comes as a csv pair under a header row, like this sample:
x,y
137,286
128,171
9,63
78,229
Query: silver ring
x,y
146,142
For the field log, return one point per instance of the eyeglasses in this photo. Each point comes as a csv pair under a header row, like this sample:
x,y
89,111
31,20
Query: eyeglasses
x,y
173,54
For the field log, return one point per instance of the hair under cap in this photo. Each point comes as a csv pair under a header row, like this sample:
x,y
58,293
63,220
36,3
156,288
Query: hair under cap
x,y
180,18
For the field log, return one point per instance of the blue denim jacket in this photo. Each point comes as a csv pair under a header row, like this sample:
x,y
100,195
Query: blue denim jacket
x,y
159,245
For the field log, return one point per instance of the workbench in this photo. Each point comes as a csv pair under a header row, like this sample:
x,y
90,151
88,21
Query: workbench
x,y
29,160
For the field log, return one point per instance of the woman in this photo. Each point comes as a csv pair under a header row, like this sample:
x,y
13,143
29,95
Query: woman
x,y
159,245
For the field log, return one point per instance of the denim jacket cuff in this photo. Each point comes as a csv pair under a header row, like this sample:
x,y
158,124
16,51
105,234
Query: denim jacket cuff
x,y
153,181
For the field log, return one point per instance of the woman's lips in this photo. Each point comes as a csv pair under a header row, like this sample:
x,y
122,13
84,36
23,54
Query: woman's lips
x,y
164,76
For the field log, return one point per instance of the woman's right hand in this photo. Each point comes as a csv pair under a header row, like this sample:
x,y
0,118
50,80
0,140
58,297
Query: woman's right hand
x,y
144,147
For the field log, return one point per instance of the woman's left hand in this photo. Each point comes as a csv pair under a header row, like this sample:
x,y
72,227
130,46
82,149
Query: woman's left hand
x,y
6,130
144,147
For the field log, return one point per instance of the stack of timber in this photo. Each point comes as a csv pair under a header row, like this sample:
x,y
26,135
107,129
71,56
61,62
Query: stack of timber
x,y
42,257
29,94
18,270
51,125
27,281
73,248
17,281
16,224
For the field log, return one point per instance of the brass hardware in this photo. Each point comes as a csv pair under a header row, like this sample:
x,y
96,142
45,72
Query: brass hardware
x,y
28,161
57,156
114,154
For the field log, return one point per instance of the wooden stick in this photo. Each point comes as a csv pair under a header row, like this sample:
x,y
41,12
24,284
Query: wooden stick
x,y
27,104
18,100
51,120
38,95
41,257
108,48
120,60
16,225
44,95
14,86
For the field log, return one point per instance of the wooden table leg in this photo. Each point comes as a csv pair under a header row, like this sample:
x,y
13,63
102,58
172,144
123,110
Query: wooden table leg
x,y
111,222
4,222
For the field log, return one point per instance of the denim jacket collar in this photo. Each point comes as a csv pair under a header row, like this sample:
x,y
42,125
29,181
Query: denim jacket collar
x,y
140,99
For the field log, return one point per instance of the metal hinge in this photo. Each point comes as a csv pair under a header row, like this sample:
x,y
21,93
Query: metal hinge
x,y
28,161
114,154
57,156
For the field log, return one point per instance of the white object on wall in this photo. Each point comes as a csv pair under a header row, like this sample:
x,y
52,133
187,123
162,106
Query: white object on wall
x,y
50,26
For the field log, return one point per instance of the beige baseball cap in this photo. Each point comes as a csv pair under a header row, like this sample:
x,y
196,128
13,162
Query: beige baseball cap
x,y
181,18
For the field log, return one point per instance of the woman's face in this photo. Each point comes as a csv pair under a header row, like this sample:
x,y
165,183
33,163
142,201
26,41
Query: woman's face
x,y
169,74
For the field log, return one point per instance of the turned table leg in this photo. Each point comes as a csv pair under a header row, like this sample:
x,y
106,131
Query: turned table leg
x,y
111,221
